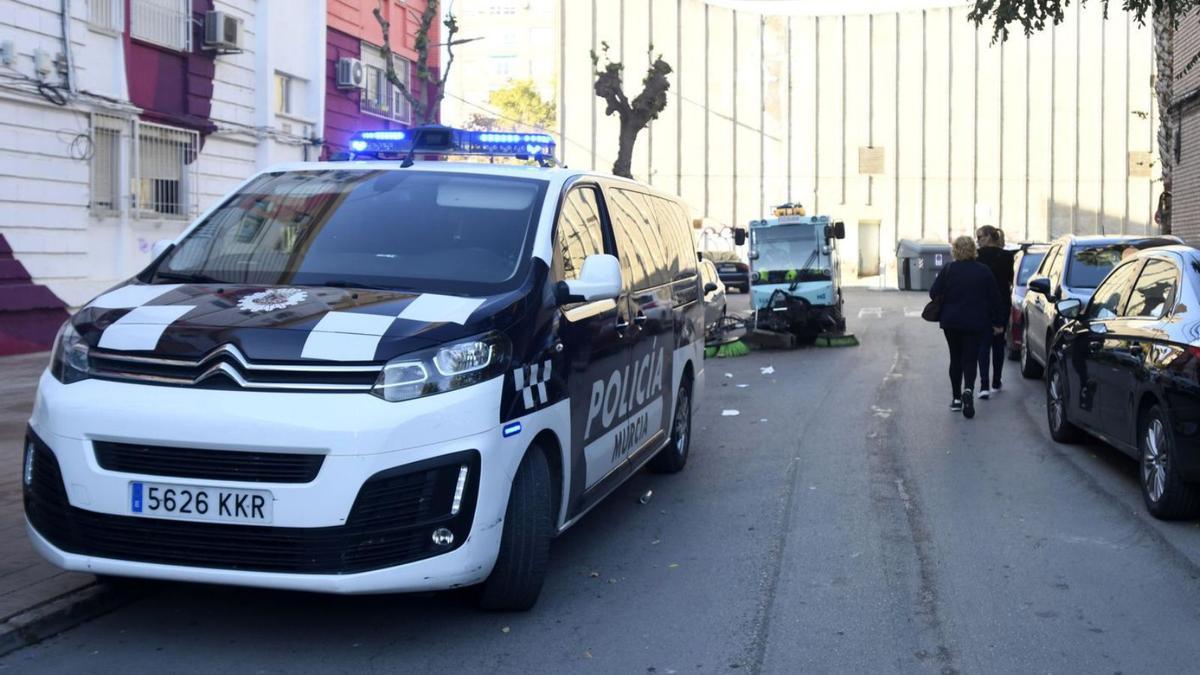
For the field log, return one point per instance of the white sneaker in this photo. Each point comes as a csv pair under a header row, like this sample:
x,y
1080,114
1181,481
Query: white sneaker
x,y
985,393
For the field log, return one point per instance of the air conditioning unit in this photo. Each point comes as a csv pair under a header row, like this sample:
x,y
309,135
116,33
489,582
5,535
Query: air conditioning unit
x,y
351,74
222,32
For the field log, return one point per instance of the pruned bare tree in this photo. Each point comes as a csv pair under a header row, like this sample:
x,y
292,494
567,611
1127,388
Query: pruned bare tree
x,y
634,114
426,102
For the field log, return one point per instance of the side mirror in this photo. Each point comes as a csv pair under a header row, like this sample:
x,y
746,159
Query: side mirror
x,y
739,236
1040,285
160,247
1069,308
753,255
600,279
839,230
709,288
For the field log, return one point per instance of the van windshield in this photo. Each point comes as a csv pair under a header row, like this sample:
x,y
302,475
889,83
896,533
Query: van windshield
x,y
409,230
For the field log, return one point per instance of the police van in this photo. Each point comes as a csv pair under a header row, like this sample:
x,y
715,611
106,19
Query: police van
x,y
374,375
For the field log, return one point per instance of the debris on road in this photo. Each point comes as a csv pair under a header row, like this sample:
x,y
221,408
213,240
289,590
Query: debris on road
x,y
742,386
672,566
646,497
729,375
730,413
767,370
505,630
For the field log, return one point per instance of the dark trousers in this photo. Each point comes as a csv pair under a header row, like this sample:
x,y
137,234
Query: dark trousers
x,y
964,357
992,349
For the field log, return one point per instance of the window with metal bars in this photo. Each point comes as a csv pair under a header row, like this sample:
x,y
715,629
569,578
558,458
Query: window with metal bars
x,y
381,97
107,15
164,175
167,23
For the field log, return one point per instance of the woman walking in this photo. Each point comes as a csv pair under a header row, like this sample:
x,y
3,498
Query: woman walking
x,y
972,310
992,348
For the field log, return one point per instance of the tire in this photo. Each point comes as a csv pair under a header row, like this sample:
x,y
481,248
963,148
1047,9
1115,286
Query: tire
x,y
674,456
1166,494
1057,403
1030,369
516,580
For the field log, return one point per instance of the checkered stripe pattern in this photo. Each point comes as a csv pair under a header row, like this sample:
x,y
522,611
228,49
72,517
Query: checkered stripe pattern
x,y
531,382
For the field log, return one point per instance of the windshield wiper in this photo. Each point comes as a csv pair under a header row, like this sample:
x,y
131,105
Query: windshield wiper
x,y
189,278
338,283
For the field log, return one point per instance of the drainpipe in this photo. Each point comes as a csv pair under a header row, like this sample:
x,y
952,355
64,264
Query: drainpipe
x,y
317,91
66,29
264,75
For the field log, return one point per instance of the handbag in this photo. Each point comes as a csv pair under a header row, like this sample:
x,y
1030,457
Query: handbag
x,y
933,310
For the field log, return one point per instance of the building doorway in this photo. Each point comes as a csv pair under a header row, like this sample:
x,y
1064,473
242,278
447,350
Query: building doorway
x,y
868,248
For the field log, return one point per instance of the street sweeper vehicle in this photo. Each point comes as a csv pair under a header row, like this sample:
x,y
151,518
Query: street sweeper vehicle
x,y
795,280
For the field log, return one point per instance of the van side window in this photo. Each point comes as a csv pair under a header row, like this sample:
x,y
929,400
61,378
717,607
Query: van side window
x,y
634,247
668,231
683,223
1154,292
579,233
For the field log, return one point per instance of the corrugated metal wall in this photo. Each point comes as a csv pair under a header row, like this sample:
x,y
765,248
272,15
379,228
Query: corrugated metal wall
x,y
1041,136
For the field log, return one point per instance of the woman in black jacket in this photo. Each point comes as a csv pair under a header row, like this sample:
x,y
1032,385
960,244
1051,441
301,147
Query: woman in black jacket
x,y
972,310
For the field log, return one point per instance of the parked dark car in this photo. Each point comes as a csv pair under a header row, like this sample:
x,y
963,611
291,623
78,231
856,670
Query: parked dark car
x,y
1125,368
1025,263
714,296
1073,267
734,272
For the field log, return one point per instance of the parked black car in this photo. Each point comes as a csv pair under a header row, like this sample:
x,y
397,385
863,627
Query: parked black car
x,y
1072,268
734,272
1125,368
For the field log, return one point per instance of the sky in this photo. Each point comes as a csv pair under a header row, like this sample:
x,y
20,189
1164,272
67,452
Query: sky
x,y
834,7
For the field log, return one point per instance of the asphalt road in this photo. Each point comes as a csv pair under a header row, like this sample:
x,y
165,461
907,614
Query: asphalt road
x,y
843,521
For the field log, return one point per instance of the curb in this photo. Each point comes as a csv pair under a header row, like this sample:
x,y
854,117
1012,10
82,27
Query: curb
x,y
60,614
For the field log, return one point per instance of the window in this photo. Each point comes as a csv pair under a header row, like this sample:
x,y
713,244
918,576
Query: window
x,y
579,233
1029,262
108,136
637,241
423,230
283,94
164,176
1106,301
107,15
1047,262
1154,292
167,23
1089,265
1055,269
381,97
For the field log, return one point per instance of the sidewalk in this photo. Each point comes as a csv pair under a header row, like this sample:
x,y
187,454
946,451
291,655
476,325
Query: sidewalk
x,y
30,588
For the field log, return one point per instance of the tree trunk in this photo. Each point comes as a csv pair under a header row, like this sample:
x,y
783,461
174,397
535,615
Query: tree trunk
x,y
1164,67
629,134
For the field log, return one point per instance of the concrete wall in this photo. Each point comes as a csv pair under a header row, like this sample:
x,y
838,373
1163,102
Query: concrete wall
x,y
1035,135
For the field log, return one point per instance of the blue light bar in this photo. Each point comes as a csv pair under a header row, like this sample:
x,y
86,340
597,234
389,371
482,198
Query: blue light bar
x,y
438,140
383,135
512,429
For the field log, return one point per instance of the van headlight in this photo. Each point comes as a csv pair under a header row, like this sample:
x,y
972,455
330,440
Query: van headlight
x,y
444,368
69,363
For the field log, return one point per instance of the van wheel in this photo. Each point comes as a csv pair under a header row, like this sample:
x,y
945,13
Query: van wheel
x,y
672,458
516,580
1166,494
1030,369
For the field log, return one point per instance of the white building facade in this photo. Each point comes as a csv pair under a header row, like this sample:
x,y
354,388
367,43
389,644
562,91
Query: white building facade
x,y
94,167
908,124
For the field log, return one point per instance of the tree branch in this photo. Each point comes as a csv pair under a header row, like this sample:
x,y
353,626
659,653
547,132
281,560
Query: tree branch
x,y
389,58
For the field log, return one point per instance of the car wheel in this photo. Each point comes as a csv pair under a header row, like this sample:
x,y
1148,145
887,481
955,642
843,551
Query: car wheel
x,y
672,458
1057,398
1030,369
516,580
1166,494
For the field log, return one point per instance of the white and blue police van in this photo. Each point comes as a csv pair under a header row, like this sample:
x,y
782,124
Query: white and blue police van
x,y
374,375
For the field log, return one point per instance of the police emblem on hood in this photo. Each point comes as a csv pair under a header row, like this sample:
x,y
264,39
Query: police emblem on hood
x,y
272,299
